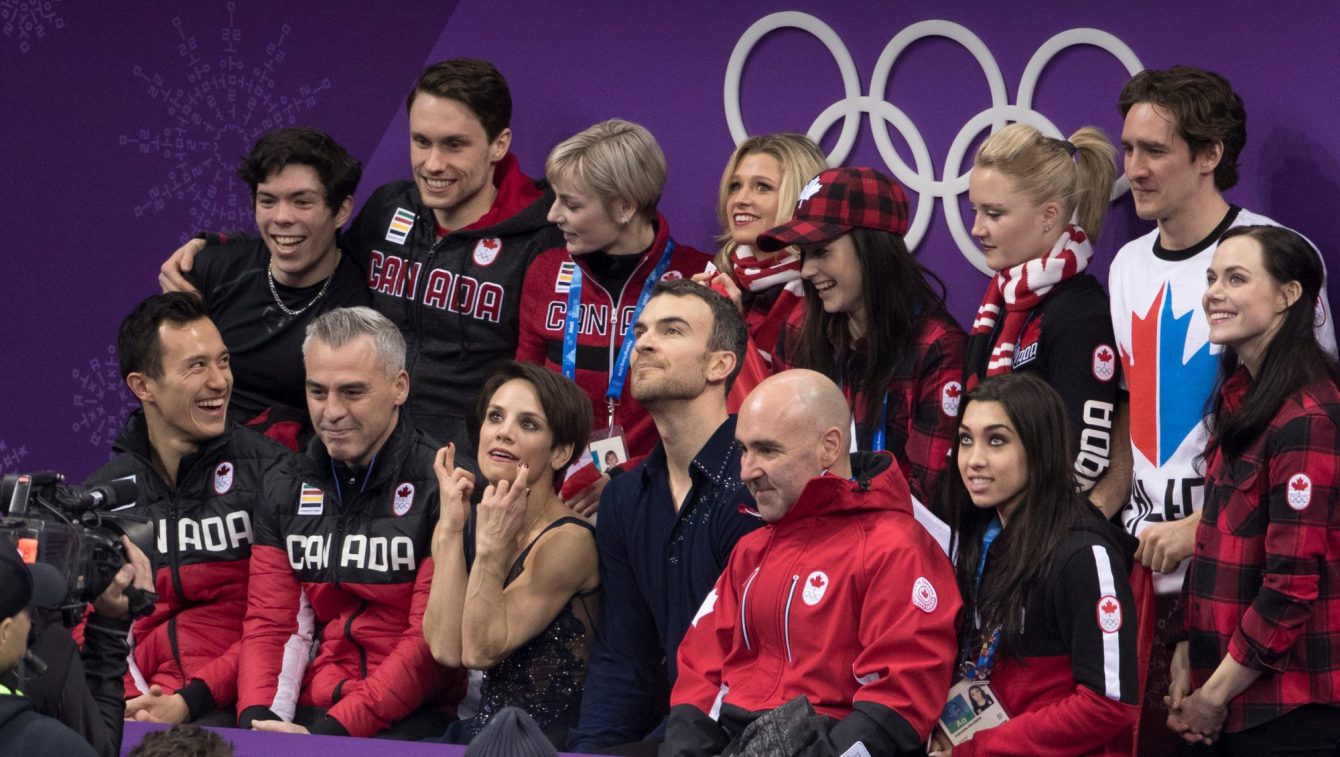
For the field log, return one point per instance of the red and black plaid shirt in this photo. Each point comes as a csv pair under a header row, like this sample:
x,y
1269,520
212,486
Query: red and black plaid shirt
x,y
923,396
1264,581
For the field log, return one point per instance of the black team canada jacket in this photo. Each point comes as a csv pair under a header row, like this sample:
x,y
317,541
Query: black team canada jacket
x,y
345,556
456,298
190,642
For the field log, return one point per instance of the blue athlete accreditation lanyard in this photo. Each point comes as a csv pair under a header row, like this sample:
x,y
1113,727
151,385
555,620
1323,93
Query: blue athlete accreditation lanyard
x,y
878,433
572,320
877,438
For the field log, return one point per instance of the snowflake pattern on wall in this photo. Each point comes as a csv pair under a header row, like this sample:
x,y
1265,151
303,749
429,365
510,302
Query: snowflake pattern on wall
x,y
29,20
101,400
230,95
11,458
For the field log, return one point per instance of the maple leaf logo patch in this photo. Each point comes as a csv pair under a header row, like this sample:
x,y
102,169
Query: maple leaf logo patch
x,y
1109,614
1299,491
1104,363
486,250
924,596
404,498
815,588
949,398
223,478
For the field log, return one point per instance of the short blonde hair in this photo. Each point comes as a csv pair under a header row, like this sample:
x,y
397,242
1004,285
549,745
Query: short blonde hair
x,y
800,159
1044,170
617,159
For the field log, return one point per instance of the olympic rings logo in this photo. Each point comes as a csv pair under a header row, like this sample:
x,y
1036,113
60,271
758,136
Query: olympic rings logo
x,y
922,179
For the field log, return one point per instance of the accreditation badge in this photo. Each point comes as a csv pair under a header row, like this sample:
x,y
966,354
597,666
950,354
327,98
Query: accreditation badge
x,y
607,448
972,707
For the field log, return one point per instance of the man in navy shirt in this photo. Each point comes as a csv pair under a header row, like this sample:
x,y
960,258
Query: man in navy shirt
x,y
666,527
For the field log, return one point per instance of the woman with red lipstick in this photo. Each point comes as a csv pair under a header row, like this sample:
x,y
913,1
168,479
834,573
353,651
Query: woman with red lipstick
x,y
579,302
515,583
1260,671
1039,206
759,189
872,322
1049,626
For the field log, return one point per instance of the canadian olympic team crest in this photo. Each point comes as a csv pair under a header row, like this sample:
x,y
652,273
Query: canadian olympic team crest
x,y
223,477
1104,362
1109,614
1299,491
923,595
950,396
404,498
486,250
923,180
816,585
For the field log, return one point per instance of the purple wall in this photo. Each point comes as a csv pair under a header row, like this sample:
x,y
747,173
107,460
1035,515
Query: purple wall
x,y
122,130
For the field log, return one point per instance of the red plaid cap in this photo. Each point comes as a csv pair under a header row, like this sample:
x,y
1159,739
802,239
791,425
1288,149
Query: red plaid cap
x,y
837,201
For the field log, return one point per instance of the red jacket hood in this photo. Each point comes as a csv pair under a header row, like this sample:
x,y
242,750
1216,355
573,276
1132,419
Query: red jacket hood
x,y
877,484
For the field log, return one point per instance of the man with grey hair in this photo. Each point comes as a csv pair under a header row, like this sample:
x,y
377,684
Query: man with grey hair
x,y
342,549
831,630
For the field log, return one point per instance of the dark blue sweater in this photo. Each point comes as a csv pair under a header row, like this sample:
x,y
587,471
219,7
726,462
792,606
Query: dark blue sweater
x,y
656,567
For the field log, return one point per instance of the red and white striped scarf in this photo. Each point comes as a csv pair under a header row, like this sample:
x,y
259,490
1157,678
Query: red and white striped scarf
x,y
1019,289
757,275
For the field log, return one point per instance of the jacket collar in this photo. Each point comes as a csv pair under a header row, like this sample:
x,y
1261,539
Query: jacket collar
x,y
712,461
877,484
384,465
133,439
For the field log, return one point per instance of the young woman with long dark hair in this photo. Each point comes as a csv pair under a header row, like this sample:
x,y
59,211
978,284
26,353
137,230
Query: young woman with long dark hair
x,y
1050,621
1261,669
872,322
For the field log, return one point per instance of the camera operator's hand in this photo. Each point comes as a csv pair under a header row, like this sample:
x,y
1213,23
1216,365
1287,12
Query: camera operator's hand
x,y
157,707
112,602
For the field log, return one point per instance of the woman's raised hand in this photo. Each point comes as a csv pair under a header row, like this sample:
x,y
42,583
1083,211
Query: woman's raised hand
x,y
501,514
454,486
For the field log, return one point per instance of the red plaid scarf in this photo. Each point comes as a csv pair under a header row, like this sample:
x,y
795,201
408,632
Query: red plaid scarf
x,y
1017,291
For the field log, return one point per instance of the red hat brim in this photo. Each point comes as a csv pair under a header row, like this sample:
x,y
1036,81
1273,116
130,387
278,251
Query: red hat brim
x,y
797,232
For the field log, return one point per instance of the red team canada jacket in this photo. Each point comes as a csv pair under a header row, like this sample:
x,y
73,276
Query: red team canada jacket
x,y
848,601
203,528
1074,683
341,555
604,321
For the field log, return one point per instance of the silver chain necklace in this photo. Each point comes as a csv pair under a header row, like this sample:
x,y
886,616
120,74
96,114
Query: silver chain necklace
x,y
269,274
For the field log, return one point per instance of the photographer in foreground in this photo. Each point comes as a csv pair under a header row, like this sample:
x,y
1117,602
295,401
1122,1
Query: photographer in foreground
x,y
79,687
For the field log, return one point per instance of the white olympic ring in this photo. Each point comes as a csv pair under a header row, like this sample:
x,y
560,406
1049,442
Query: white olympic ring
x,y
923,179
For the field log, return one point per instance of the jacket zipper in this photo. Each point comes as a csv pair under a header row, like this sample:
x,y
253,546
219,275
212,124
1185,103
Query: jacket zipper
x,y
349,634
744,602
615,307
338,545
174,570
786,617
